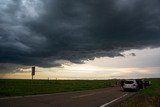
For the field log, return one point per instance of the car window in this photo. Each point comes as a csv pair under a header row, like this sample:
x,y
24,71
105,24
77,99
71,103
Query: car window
x,y
128,82
146,81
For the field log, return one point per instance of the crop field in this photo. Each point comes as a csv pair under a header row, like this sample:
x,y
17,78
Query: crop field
x,y
32,87
149,97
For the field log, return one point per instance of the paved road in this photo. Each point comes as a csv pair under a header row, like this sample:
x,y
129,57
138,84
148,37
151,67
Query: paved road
x,y
92,98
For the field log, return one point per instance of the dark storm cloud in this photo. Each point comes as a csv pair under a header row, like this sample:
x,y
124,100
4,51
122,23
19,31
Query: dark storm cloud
x,y
132,54
37,32
14,68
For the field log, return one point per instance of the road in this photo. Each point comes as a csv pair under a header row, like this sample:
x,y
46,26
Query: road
x,y
107,97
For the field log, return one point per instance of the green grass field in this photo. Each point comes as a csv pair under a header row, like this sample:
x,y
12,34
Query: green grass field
x,y
32,87
149,97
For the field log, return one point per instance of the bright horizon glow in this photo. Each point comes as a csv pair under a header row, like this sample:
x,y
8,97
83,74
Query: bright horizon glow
x,y
139,66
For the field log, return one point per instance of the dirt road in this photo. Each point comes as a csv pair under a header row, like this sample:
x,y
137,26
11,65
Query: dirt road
x,y
92,98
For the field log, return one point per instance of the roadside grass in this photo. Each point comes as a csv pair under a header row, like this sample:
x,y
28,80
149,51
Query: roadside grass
x,y
149,97
11,87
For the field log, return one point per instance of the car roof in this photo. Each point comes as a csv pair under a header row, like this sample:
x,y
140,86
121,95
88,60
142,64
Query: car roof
x,y
130,80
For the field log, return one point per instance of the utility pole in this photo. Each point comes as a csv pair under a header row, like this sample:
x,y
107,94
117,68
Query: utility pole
x,y
33,72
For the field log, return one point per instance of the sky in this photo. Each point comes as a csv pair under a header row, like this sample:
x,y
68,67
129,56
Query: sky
x,y
77,39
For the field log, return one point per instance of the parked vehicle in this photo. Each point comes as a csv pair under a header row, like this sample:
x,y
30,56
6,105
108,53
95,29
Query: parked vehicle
x,y
130,85
147,83
140,83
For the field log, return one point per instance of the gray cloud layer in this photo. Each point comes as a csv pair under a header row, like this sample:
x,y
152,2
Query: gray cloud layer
x,y
40,32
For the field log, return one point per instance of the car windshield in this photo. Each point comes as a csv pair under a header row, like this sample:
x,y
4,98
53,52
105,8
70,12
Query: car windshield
x,y
129,82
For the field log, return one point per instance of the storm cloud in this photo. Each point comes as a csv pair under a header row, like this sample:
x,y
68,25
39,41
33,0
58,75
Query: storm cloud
x,y
48,33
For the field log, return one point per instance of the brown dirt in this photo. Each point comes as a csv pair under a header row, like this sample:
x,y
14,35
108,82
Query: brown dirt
x,y
141,101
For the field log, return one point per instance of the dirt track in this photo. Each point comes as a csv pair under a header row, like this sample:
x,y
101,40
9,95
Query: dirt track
x,y
91,98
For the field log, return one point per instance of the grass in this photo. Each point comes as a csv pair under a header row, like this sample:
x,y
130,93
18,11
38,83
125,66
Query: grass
x,y
32,87
153,90
149,97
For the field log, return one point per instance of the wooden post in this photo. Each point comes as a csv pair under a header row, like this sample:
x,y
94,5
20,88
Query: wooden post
x,y
33,72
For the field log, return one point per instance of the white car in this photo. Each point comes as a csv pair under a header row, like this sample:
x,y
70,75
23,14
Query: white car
x,y
130,85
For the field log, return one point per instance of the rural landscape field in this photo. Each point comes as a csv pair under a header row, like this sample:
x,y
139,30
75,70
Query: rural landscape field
x,y
148,97
79,53
32,87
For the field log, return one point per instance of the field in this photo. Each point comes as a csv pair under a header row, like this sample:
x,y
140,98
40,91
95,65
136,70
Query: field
x,y
32,87
149,97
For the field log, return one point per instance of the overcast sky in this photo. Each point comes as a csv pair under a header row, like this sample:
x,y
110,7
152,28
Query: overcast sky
x,y
62,35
